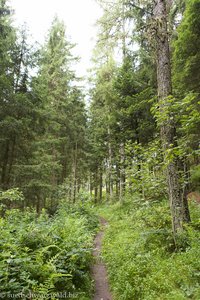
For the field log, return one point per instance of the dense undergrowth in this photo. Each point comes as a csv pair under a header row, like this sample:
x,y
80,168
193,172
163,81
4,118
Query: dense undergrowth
x,y
47,256
140,253
50,256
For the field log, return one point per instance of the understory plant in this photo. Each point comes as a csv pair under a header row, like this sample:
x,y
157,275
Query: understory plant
x,y
46,255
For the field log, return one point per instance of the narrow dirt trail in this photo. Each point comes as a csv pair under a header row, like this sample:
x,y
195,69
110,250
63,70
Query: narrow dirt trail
x,y
99,272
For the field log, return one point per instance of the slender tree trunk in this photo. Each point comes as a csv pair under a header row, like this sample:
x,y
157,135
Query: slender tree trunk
x,y
122,172
139,159
168,133
117,188
64,165
96,186
38,206
95,194
123,29
71,189
122,146
10,164
53,173
90,184
100,183
110,165
107,188
4,165
117,182
78,185
75,172
186,189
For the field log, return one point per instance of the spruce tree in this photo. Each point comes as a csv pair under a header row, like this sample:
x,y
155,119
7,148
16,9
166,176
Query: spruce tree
x,y
62,113
186,57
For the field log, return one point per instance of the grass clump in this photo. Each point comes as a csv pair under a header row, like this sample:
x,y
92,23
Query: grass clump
x,y
139,251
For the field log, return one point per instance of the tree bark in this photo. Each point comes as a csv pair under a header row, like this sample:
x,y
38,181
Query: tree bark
x,y
168,132
183,166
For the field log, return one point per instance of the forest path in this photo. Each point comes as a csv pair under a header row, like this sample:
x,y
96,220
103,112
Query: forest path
x,y
99,273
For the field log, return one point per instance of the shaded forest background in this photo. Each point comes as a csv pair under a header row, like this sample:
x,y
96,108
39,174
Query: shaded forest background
x,y
124,146
53,144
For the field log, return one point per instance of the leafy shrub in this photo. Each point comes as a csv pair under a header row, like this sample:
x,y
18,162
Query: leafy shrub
x,y
195,177
146,175
46,255
10,198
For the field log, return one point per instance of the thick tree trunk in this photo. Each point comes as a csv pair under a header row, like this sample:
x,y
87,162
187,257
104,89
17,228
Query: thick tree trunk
x,y
168,133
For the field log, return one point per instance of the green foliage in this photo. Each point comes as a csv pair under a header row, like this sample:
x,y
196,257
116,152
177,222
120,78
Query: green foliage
x,y
45,255
185,114
120,119
146,173
60,143
188,112
139,251
17,114
42,118
50,149
195,177
132,109
187,50
12,195
11,198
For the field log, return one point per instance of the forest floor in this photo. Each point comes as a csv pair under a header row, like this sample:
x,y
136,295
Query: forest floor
x,y
99,273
